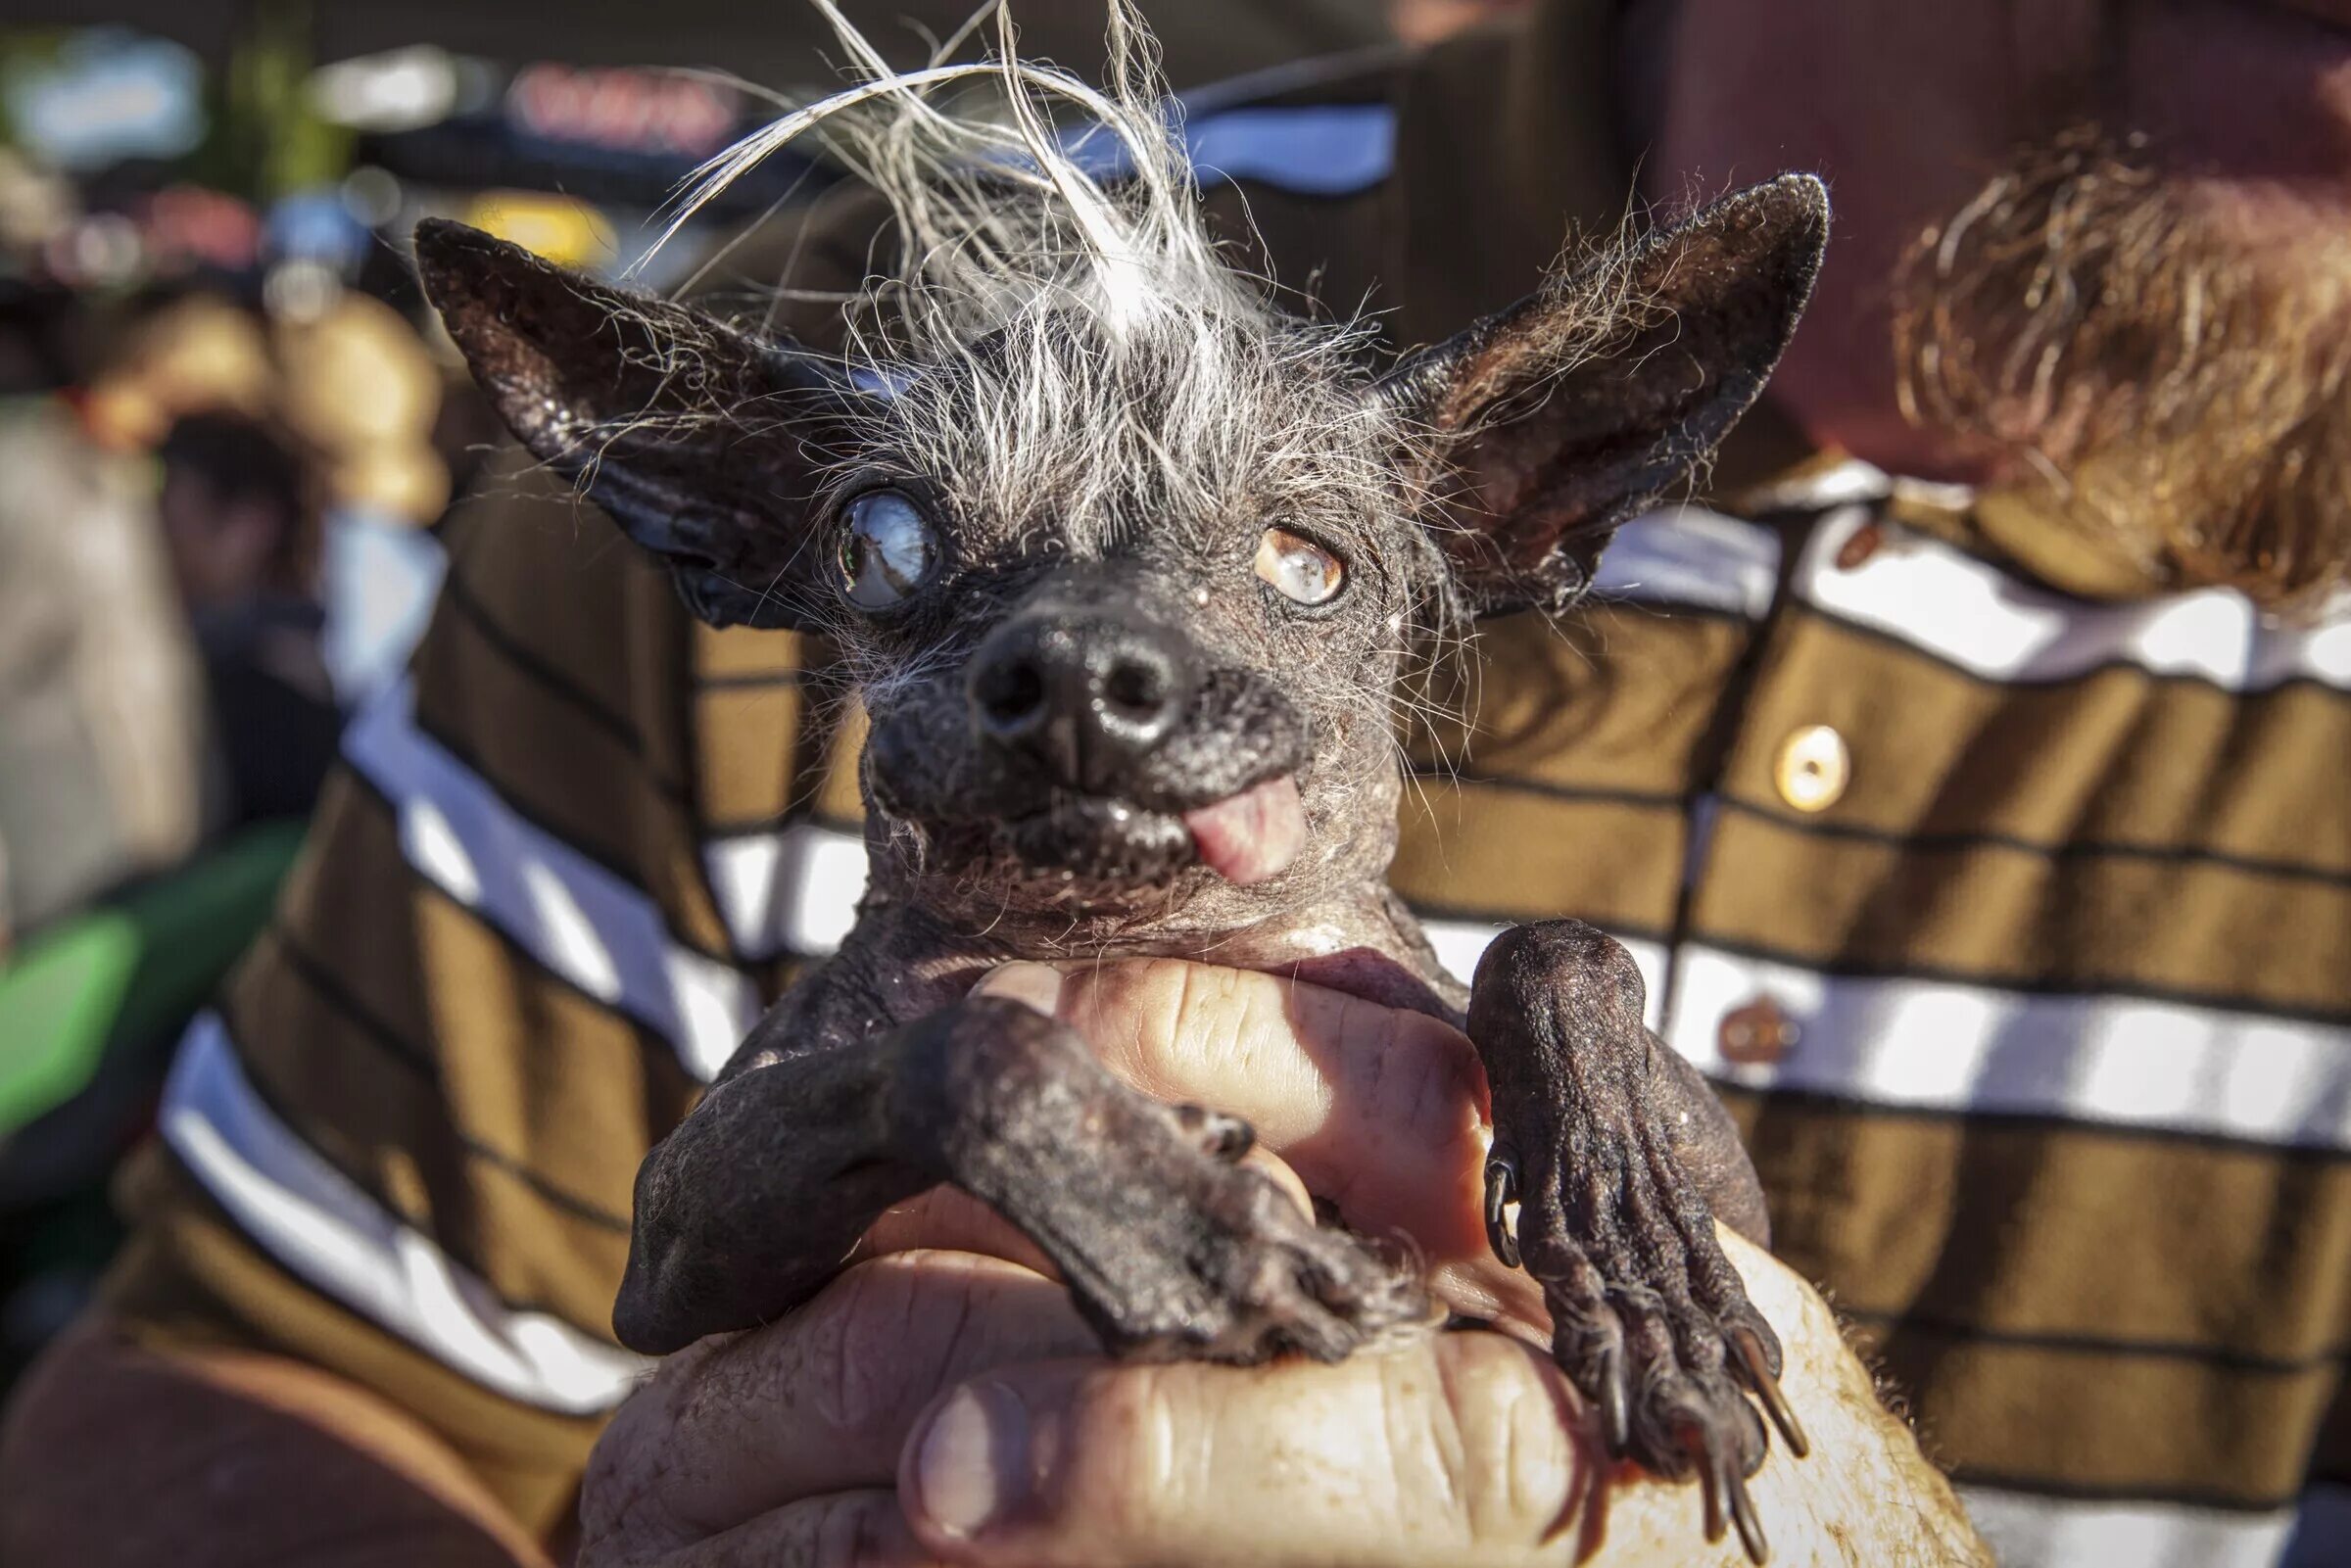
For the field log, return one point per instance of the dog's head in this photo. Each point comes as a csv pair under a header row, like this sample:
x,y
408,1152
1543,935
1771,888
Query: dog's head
x,y
1126,561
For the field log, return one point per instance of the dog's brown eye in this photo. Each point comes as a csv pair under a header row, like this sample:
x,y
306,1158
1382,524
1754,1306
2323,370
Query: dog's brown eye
x,y
886,550
1299,568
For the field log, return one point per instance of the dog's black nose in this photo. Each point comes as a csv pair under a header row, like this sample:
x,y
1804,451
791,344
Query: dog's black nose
x,y
1087,696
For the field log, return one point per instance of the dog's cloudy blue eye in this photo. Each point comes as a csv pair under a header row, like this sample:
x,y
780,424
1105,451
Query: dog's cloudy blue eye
x,y
1298,568
887,549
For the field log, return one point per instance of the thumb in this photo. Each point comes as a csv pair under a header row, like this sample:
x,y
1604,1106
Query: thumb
x,y
1461,1447
1451,1449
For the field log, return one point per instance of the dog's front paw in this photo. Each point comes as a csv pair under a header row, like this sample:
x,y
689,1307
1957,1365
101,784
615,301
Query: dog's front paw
x,y
1649,1318
1221,1265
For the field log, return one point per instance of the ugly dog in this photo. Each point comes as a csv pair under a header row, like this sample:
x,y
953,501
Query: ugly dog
x,y
1127,565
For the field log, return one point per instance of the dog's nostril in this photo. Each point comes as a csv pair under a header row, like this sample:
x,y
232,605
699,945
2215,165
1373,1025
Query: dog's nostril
x,y
1137,688
1083,697
1012,693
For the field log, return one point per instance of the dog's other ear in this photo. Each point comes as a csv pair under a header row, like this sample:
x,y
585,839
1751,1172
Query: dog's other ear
x,y
704,444
1558,418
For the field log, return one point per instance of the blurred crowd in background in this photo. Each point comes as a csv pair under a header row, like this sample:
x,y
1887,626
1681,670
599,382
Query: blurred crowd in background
x,y
227,433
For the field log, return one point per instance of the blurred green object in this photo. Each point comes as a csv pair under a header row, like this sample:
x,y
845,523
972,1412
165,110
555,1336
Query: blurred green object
x,y
132,969
90,1009
268,138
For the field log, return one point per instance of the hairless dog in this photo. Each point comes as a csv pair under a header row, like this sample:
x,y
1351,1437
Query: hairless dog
x,y
1128,565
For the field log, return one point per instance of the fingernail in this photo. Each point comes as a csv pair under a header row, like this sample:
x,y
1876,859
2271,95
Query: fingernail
x,y
973,1460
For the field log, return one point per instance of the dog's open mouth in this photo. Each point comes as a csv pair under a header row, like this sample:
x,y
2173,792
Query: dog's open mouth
x,y
1249,837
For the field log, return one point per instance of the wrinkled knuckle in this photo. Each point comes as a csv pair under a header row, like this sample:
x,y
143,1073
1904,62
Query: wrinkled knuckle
x,y
1121,1010
669,1395
870,1342
1154,989
1153,1016
1433,1092
623,1504
705,1387
1190,998
849,1534
1138,1451
635,1429
1512,1434
893,1333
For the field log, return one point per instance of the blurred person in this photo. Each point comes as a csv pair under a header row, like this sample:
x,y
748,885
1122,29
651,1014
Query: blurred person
x,y
240,528
103,724
102,728
1967,774
361,391
160,649
178,355
36,330
36,205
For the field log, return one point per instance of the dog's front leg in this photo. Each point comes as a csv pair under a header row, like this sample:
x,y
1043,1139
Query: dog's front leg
x,y
1621,1159
1169,1245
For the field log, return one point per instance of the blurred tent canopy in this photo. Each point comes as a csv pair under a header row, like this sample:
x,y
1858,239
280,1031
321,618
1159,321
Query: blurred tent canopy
x,y
776,45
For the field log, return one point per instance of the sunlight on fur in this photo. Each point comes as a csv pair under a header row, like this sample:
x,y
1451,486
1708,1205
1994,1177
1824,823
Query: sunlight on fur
x,y
1058,344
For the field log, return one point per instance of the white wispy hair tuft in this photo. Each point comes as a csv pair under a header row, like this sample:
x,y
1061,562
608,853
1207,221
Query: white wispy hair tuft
x,y
994,202
1059,347
1059,326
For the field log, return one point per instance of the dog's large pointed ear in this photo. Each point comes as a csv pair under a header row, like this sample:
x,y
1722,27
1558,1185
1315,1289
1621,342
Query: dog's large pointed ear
x,y
1558,418
703,443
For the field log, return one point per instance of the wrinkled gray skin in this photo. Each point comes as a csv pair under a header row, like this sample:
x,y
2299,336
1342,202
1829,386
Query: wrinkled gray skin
x,y
733,459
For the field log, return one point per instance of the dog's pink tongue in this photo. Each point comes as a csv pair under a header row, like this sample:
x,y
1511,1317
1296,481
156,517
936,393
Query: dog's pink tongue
x,y
1252,835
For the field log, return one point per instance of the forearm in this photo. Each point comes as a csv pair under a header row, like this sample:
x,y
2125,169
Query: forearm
x,y
115,1455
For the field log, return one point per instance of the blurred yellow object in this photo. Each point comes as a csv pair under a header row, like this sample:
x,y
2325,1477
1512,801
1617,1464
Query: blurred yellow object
x,y
407,481
358,373
360,387
566,232
35,204
200,354
355,386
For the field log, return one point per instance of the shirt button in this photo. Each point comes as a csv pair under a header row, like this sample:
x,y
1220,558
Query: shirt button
x,y
1757,1034
1813,768
1856,550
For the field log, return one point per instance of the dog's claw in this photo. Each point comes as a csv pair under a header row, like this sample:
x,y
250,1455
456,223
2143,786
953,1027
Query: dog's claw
x,y
1725,1492
1767,1390
1502,1190
1743,1512
1710,1478
1615,1402
1227,1137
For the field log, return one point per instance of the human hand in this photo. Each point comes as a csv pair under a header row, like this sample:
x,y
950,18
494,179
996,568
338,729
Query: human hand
x,y
941,1403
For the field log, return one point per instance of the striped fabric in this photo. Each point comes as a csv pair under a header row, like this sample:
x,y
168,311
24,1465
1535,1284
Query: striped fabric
x,y
320,1223
2035,1529
2057,1102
